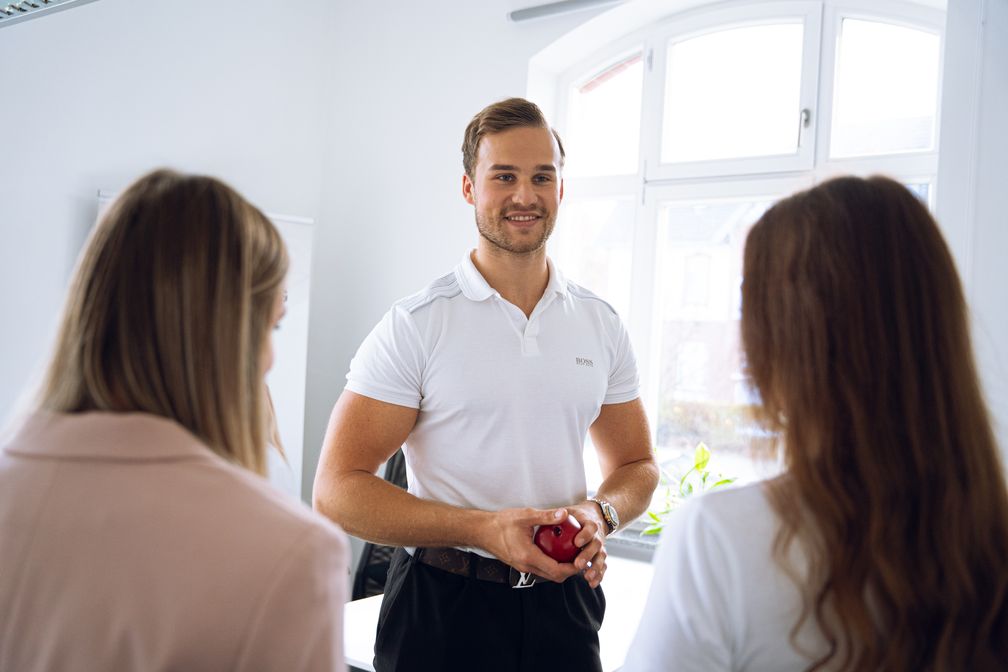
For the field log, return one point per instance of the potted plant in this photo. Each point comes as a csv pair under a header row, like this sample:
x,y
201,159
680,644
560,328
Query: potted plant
x,y
697,479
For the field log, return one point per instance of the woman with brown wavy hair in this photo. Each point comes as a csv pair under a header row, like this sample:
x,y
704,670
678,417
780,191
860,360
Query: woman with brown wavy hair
x,y
137,532
884,543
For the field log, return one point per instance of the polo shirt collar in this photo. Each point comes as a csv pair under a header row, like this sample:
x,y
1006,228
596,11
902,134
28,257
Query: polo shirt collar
x,y
557,282
475,287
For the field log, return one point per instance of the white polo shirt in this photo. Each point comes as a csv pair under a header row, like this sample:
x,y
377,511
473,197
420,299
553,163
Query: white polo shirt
x,y
505,401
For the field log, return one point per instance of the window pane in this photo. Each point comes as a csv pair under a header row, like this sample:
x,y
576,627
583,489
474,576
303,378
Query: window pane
x,y
886,89
733,93
703,395
594,247
603,121
922,190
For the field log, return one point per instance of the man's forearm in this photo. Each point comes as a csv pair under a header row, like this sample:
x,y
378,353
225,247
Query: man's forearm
x,y
373,509
629,489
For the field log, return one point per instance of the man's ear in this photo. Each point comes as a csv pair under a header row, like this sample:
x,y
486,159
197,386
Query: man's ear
x,y
561,190
468,190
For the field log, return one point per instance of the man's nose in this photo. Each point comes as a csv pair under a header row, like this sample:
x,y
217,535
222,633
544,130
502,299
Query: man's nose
x,y
523,193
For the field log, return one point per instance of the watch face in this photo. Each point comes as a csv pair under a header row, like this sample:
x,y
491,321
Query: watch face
x,y
610,512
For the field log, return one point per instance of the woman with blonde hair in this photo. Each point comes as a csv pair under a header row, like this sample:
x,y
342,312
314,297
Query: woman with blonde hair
x,y
136,530
883,546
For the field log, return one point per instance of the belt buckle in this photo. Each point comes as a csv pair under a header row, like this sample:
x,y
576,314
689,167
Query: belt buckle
x,y
520,579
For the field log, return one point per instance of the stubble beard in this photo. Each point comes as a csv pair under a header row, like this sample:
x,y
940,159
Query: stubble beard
x,y
494,230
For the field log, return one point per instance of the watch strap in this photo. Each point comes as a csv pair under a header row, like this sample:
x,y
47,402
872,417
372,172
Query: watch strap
x,y
607,513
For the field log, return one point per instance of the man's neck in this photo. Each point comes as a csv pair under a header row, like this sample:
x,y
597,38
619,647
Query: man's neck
x,y
520,279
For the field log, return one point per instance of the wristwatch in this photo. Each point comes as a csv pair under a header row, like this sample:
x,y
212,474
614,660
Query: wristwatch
x,y
608,513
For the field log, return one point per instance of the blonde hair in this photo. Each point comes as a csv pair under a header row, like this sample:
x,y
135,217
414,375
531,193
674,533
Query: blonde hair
x,y
168,313
856,334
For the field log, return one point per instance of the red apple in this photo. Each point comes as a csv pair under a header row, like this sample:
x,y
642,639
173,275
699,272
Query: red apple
x,y
557,541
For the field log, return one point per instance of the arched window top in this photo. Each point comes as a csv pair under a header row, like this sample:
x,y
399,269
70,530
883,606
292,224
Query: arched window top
x,y
742,87
631,21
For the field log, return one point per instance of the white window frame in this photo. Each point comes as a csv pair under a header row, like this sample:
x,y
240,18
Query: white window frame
x,y
896,163
700,23
608,56
645,323
655,184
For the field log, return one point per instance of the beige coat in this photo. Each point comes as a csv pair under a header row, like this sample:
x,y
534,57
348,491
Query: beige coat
x,y
125,544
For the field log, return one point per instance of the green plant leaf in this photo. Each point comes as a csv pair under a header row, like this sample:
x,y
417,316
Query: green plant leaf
x,y
653,516
723,482
701,456
682,480
653,529
688,490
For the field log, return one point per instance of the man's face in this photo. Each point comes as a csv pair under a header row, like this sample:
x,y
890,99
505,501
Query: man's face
x,y
516,189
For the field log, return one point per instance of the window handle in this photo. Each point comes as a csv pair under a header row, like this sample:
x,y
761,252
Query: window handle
x,y
804,119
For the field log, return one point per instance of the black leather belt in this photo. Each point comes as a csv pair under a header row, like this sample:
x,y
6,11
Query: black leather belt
x,y
474,565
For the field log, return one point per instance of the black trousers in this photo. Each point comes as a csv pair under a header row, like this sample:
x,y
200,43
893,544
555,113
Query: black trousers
x,y
435,621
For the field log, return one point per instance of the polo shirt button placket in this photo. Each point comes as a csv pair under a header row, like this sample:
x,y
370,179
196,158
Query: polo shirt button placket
x,y
530,342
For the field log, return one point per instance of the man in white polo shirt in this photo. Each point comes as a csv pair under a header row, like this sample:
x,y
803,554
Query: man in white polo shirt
x,y
491,377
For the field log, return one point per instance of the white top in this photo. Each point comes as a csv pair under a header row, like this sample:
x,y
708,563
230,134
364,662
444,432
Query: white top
x,y
504,401
280,473
719,600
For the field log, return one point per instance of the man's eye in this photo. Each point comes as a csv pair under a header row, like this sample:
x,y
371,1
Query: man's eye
x,y
505,178
543,179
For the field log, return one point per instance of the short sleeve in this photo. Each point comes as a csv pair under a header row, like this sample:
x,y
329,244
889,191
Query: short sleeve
x,y
389,364
686,621
624,381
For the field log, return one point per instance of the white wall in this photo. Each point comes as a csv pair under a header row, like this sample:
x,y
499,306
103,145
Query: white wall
x,y
972,201
111,89
350,113
411,77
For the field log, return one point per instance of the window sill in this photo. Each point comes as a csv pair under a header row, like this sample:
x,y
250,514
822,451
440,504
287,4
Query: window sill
x,y
628,543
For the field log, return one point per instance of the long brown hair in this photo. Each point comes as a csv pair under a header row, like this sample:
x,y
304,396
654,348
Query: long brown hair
x,y
168,313
855,331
